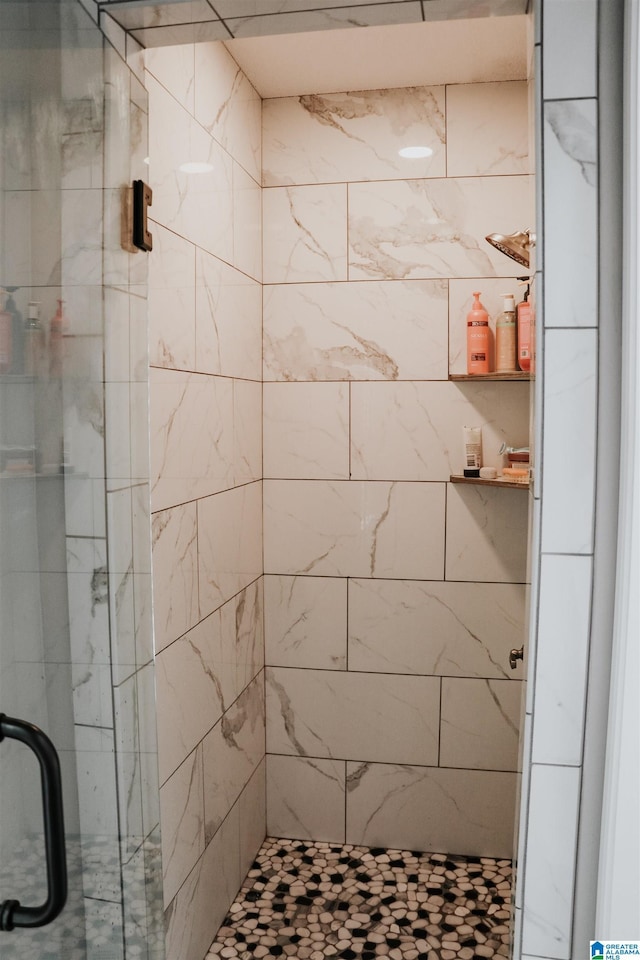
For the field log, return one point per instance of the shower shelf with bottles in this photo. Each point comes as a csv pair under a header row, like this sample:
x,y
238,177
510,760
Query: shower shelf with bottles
x,y
481,482
511,375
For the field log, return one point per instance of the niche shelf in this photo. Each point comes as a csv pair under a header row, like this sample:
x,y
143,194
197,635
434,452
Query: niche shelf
x,y
515,375
479,482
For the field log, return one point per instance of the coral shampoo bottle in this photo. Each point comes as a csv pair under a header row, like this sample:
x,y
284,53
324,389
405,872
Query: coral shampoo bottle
x,y
477,338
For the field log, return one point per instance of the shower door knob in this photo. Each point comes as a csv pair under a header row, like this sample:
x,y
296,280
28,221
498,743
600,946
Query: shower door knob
x,y
515,655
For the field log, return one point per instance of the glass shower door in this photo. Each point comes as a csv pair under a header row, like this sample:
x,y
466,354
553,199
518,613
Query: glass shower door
x,y
75,626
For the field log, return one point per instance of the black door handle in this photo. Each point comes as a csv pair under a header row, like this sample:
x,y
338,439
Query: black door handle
x,y
12,913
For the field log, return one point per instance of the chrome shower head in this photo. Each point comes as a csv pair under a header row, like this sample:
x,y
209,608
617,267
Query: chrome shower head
x,y
514,245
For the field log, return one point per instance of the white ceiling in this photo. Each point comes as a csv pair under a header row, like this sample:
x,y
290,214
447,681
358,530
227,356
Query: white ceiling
x,y
412,54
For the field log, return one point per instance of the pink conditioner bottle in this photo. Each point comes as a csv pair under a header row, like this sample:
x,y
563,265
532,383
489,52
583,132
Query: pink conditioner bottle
x,y
477,338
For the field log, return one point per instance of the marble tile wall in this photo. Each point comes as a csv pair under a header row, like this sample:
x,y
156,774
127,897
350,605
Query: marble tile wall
x,y
562,516
205,309
392,597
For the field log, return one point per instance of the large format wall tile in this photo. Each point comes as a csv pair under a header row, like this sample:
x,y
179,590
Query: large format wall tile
x,y
192,436
247,431
479,724
421,808
171,302
356,331
337,137
252,817
487,129
197,206
486,534
247,223
230,544
228,320
228,106
408,229
359,529
306,431
304,233
241,621
181,802
452,629
305,622
193,684
306,798
341,715
413,431
194,916
175,573
231,753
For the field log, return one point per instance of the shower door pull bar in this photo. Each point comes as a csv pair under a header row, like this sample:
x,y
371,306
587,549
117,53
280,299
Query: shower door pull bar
x,y
12,913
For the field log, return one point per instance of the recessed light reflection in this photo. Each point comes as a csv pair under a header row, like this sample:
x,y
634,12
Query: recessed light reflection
x,y
196,166
415,153
147,160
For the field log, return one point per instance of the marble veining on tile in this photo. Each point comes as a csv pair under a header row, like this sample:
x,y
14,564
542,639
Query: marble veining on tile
x,y
336,137
407,229
316,900
342,331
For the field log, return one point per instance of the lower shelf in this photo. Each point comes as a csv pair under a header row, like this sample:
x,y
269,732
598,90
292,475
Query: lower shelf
x,y
479,482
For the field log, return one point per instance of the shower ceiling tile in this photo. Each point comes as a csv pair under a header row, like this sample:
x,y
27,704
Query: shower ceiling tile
x,y
136,15
304,233
181,33
341,331
428,228
354,529
397,11
255,8
353,136
461,9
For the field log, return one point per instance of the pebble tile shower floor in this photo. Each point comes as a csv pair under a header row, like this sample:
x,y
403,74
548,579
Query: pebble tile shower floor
x,y
316,900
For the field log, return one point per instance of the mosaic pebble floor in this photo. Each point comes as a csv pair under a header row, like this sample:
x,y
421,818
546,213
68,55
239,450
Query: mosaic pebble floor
x,y
315,900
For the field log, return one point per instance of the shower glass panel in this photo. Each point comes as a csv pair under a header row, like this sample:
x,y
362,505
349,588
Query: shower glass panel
x,y
76,655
